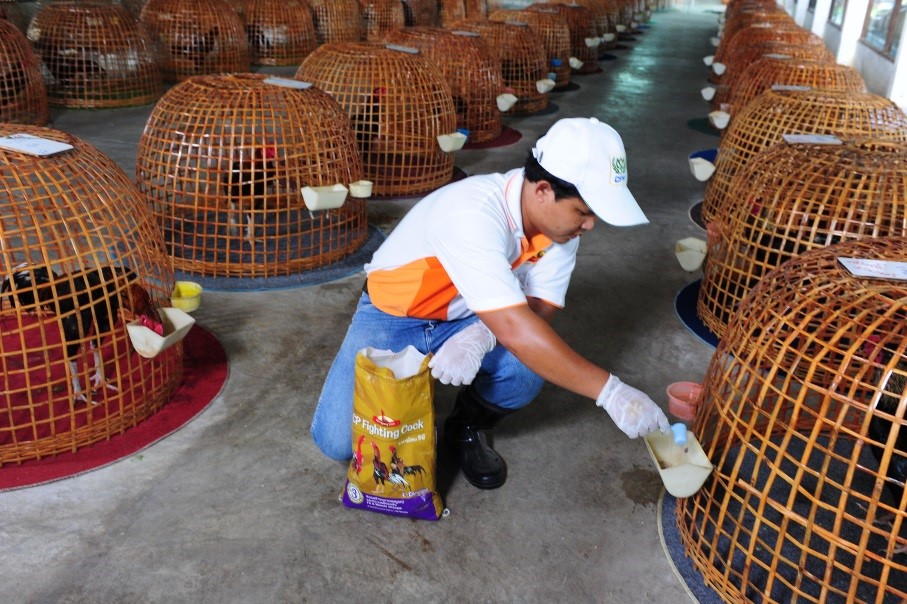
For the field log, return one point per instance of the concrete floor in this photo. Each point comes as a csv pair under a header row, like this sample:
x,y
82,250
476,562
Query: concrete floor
x,y
239,506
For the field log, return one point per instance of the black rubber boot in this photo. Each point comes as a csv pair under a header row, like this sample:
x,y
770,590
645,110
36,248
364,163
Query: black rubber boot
x,y
463,432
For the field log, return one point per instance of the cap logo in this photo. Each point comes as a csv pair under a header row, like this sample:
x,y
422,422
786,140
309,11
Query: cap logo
x,y
618,170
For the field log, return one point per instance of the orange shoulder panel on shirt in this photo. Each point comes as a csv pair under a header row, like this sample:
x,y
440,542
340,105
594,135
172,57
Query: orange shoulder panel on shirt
x,y
419,289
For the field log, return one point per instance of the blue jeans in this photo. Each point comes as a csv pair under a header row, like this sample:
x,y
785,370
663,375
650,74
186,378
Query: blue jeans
x,y
503,380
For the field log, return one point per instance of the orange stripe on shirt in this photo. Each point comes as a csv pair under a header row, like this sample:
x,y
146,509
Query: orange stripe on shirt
x,y
419,289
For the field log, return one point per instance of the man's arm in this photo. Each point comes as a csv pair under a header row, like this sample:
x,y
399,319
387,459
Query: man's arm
x,y
524,331
542,308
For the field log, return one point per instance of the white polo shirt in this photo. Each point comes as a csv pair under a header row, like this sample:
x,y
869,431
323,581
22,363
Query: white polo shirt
x,y
462,250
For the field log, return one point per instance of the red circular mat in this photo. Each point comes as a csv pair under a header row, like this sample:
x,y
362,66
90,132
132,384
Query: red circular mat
x,y
204,374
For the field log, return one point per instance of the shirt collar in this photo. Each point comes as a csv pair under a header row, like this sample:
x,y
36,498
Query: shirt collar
x,y
513,204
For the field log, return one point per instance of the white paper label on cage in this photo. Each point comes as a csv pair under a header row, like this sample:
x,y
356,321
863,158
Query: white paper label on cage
x,y
517,23
875,269
288,83
407,49
775,55
470,34
33,145
791,87
812,139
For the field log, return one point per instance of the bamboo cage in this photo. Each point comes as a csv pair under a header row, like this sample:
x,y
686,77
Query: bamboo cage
x,y
96,55
774,17
337,20
782,71
422,13
451,11
522,58
23,95
475,9
802,415
471,70
604,29
11,11
223,162
551,28
796,197
751,53
583,34
197,38
773,113
399,104
280,32
237,5
616,21
380,17
733,54
81,252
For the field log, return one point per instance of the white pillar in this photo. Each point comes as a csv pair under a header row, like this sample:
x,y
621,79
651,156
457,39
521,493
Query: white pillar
x,y
851,30
800,12
820,17
898,92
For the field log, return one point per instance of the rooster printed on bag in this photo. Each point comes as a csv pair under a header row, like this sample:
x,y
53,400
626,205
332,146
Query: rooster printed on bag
x,y
393,466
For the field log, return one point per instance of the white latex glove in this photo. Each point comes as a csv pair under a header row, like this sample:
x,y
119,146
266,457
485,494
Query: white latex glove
x,y
458,360
631,409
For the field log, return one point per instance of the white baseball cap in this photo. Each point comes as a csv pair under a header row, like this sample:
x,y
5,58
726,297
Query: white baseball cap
x,y
590,155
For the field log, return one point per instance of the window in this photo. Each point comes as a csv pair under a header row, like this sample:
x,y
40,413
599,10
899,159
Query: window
x,y
836,14
884,22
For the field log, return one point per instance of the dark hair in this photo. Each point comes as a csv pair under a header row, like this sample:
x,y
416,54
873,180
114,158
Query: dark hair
x,y
535,172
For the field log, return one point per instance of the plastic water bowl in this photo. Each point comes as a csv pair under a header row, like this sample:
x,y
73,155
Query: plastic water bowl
x,y
148,343
719,119
690,252
361,189
683,399
186,296
683,468
621,28
546,85
593,42
715,40
702,163
505,101
324,198
609,37
708,93
451,142
718,68
708,60
575,63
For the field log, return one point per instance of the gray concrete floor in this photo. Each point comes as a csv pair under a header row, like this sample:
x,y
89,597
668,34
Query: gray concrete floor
x,y
239,506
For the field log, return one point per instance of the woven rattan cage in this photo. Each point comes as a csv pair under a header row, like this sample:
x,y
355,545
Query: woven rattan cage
x,y
471,70
773,113
796,197
764,18
752,53
380,17
476,9
522,57
604,28
223,161
337,20
734,53
199,37
803,416
616,22
778,71
422,13
399,104
551,28
451,11
11,10
96,55
76,237
280,32
23,96
584,38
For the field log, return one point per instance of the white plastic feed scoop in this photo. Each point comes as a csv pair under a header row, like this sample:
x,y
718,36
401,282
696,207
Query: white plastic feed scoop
x,y
683,469
720,119
708,93
691,252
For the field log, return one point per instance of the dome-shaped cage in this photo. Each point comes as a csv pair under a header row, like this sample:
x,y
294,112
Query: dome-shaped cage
x,y
782,70
380,17
551,28
96,55
196,38
337,20
471,70
773,113
583,34
734,53
223,161
804,416
82,256
604,29
11,11
522,57
399,104
736,21
747,55
280,32
796,197
421,13
615,17
475,9
23,96
451,11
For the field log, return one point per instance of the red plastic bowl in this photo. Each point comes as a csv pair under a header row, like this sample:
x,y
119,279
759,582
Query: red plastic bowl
x,y
683,399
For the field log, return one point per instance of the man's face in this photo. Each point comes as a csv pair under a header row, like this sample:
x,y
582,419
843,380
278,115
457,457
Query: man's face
x,y
566,218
